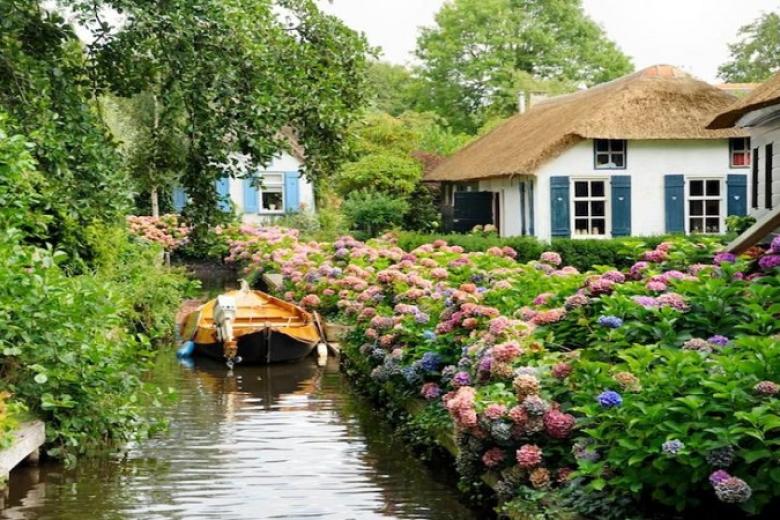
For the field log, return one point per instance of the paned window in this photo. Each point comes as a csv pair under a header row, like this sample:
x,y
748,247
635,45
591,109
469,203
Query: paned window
x,y
590,207
610,154
739,152
704,205
272,193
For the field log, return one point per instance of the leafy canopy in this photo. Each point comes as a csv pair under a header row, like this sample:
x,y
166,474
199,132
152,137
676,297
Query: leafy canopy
x,y
46,91
480,52
756,55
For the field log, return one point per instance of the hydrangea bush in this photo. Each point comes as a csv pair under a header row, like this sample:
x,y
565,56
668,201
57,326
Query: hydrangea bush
x,y
593,392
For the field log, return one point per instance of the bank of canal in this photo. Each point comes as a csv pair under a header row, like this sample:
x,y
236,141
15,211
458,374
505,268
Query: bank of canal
x,y
281,441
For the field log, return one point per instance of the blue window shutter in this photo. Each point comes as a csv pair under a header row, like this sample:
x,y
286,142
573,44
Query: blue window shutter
x,y
292,198
250,197
674,203
559,207
621,206
531,230
523,227
736,189
223,191
179,199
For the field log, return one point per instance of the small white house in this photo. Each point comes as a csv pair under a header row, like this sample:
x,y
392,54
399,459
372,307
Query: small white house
x,y
279,189
759,112
628,157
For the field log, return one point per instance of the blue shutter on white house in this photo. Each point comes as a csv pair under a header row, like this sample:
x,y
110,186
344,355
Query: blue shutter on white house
x,y
560,224
674,203
223,192
292,198
179,199
621,205
736,193
250,196
531,230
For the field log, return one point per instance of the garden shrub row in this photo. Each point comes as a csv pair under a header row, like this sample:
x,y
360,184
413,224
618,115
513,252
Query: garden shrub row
x,y
580,253
607,393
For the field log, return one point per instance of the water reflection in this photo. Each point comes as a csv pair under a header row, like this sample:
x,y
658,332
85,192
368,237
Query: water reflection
x,y
282,441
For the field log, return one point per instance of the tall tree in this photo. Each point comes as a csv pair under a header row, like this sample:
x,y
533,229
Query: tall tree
x,y
756,54
393,87
480,51
45,89
229,75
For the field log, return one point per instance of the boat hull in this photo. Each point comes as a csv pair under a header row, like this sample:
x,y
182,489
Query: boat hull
x,y
261,347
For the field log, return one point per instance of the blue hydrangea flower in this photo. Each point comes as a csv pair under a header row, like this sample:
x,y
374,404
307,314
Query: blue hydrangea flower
x,y
672,447
411,374
609,399
612,322
430,361
429,335
378,354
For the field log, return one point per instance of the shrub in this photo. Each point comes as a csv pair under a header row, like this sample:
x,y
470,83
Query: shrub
x,y
374,212
385,172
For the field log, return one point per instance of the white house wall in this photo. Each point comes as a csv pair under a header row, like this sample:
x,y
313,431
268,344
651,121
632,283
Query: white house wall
x,y
760,136
282,163
647,162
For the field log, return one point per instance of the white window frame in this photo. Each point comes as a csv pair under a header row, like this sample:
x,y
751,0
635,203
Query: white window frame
x,y
704,198
607,207
282,188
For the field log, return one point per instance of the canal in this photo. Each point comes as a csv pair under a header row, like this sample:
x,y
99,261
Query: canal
x,y
281,441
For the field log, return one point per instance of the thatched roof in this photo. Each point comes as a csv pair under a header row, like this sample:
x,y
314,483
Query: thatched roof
x,y
765,95
660,102
289,134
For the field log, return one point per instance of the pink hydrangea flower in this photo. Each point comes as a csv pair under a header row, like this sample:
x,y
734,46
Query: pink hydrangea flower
x,y
551,258
529,456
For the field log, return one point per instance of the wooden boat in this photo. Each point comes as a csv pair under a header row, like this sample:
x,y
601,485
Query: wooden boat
x,y
251,327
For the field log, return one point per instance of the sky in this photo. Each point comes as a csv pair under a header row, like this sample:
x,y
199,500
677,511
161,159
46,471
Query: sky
x,y
690,34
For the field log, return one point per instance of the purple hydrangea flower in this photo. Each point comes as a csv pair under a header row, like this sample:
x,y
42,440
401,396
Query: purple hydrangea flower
x,y
724,257
461,379
645,301
612,322
775,245
718,340
769,262
672,447
609,399
716,477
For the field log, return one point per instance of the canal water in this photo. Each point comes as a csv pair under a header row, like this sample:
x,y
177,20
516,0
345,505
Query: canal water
x,y
284,441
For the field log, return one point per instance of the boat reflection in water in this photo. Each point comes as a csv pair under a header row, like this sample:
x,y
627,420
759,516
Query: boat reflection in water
x,y
270,441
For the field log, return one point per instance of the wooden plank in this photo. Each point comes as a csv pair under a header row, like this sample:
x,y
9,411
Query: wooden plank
x,y
28,438
755,233
273,281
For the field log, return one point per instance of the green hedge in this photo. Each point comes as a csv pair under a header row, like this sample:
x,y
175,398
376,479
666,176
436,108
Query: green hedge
x,y
581,253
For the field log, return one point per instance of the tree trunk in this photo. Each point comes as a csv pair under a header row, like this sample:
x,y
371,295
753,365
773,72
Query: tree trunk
x,y
155,128
155,202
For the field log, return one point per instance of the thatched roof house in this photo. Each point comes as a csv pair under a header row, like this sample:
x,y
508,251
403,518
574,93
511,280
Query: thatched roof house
x,y
629,157
659,102
766,95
